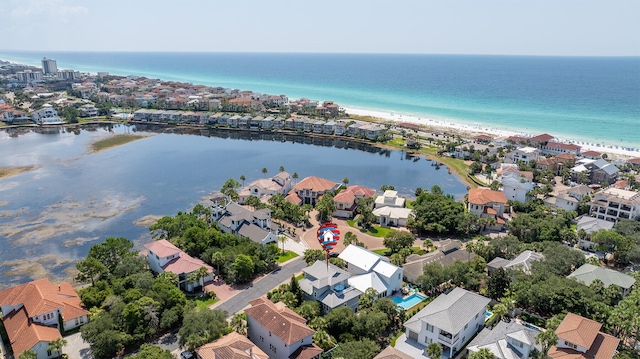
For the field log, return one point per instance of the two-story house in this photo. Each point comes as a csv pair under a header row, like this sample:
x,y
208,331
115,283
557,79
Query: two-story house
x,y
590,225
370,270
231,346
253,224
506,341
580,337
47,115
487,203
163,256
329,285
450,320
280,183
389,209
612,204
310,189
516,184
32,314
588,273
279,331
345,201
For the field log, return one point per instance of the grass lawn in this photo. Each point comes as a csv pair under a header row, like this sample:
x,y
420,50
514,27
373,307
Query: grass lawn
x,y
393,341
286,256
375,231
301,276
381,251
386,252
204,302
397,142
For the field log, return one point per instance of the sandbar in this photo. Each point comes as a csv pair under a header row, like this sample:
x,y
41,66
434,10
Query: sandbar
x,y
114,141
8,171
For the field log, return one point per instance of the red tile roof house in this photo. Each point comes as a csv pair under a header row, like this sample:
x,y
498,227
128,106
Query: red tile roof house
x,y
310,189
487,203
345,201
279,331
33,312
163,257
231,346
580,337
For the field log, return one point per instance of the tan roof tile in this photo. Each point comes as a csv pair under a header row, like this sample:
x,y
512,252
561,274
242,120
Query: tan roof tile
x,y
578,330
281,321
485,195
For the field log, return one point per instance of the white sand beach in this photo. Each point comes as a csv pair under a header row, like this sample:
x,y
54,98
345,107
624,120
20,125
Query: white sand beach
x,y
469,130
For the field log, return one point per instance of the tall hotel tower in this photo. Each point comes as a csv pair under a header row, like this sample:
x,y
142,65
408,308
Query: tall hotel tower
x,y
49,66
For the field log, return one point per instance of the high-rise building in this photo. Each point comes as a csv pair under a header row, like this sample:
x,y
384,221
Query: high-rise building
x,y
49,66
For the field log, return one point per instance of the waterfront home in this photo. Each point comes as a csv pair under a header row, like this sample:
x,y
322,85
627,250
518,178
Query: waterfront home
x,y
370,270
233,121
392,216
280,183
279,331
255,225
612,204
299,123
448,251
450,321
588,273
35,313
12,116
307,125
328,284
555,148
522,262
389,198
329,128
289,123
47,115
371,131
88,110
590,225
354,129
243,122
345,201
278,123
223,120
267,123
506,341
318,126
163,256
580,337
594,155
340,128
232,346
487,203
310,189
255,123
516,184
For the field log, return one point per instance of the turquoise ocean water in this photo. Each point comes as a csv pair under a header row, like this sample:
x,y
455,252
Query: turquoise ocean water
x,y
592,99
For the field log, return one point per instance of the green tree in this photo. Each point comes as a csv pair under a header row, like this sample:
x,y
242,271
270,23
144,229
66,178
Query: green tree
x,y
363,349
243,178
201,326
483,353
546,339
498,283
218,258
239,323
345,181
282,239
396,240
325,207
295,176
434,350
313,255
111,252
148,351
264,170
56,345
28,354
323,340
367,299
364,206
244,268
281,169
500,310
89,270
229,189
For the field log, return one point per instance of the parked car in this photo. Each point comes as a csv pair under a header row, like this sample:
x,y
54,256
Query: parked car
x,y
186,355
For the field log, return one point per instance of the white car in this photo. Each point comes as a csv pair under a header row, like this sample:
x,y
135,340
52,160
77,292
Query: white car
x,y
186,355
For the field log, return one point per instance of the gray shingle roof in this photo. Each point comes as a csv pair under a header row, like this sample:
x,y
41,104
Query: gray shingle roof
x,y
588,273
496,339
449,312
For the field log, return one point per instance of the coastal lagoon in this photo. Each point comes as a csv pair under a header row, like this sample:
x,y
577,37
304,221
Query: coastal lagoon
x,y
74,198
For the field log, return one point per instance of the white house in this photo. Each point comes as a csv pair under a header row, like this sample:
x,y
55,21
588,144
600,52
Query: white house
x,y
515,184
32,313
47,115
236,219
525,154
392,216
279,331
280,183
487,203
450,320
370,270
163,257
612,204
523,262
506,341
389,199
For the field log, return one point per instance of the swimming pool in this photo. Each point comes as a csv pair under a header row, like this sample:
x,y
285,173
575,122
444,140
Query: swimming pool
x,y
409,301
487,315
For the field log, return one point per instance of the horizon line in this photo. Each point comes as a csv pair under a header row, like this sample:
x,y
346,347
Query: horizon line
x,y
315,53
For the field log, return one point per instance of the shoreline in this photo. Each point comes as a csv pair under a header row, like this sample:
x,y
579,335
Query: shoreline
x,y
470,131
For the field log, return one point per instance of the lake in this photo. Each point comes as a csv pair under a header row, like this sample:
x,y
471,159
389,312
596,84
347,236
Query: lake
x,y
74,198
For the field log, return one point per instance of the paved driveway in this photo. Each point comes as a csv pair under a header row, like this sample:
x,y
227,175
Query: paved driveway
x,y
77,348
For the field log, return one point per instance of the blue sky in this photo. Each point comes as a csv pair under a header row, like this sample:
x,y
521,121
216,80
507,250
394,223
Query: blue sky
x,y
515,27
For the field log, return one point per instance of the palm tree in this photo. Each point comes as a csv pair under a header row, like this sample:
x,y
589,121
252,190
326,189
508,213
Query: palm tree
x,y
483,353
281,169
323,340
202,273
547,339
238,324
295,176
434,350
500,310
29,354
345,181
56,346
217,258
264,170
242,178
283,240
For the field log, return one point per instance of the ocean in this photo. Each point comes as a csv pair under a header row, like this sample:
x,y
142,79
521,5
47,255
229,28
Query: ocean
x,y
591,99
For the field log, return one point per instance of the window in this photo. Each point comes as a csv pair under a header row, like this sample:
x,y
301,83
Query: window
x,y
262,338
466,326
430,328
49,353
269,333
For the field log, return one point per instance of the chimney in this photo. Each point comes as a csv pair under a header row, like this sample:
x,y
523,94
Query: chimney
x,y
58,287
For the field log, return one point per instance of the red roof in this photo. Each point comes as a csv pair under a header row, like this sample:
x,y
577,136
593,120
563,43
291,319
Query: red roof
x,y
591,154
635,161
162,248
316,184
24,333
350,193
280,320
564,146
584,333
485,195
542,138
186,264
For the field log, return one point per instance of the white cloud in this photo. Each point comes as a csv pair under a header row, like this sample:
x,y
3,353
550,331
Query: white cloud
x,y
55,8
